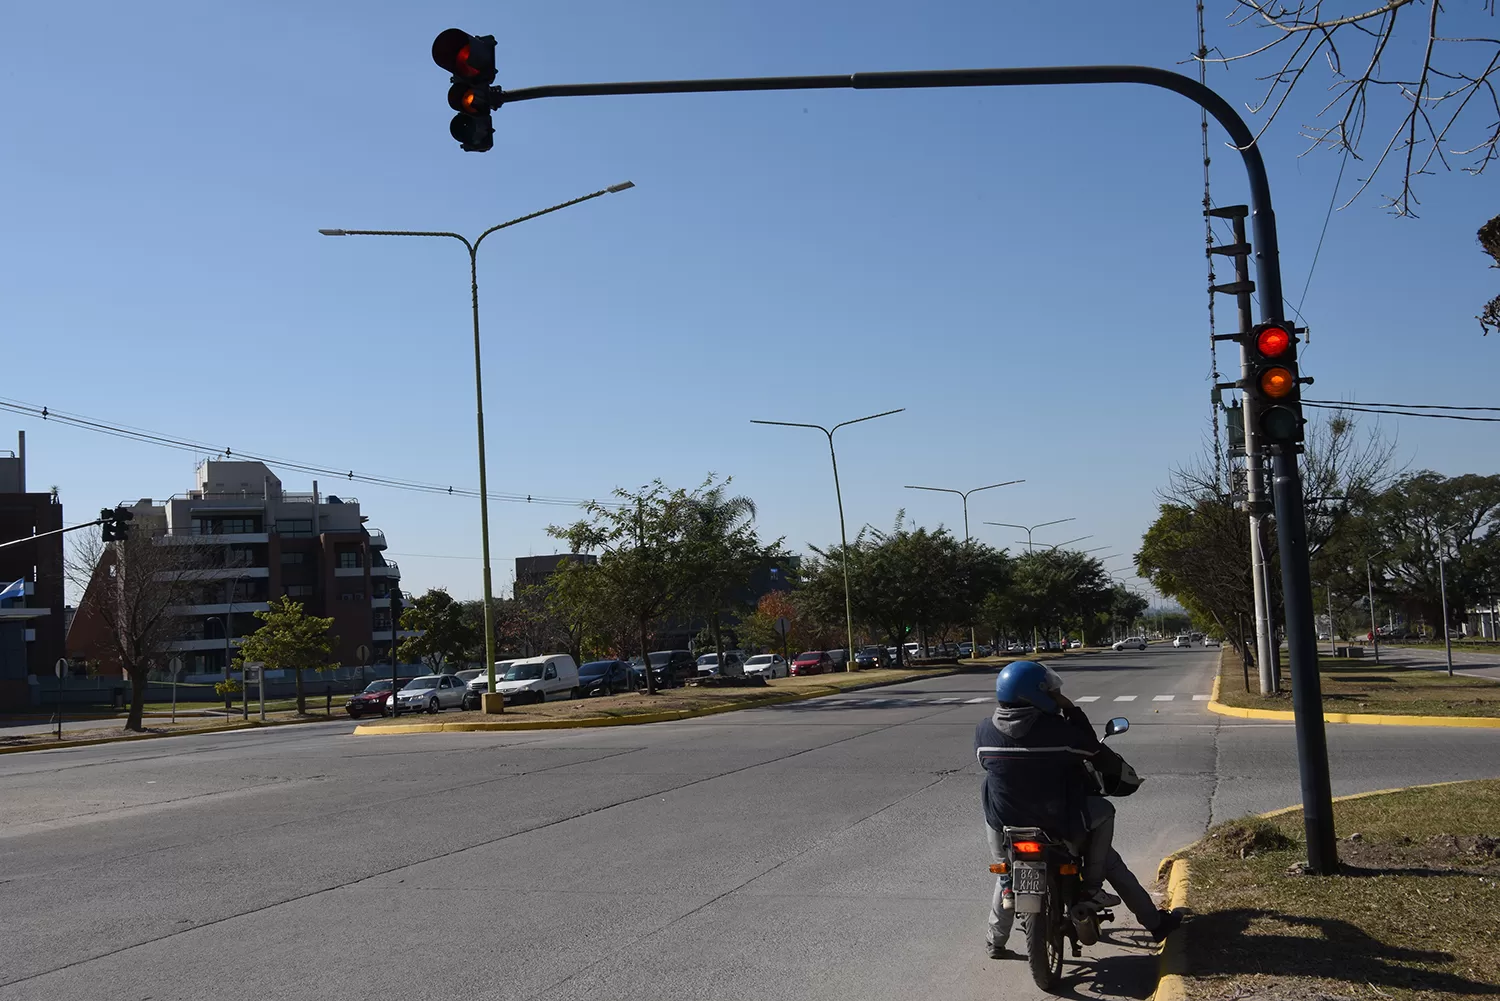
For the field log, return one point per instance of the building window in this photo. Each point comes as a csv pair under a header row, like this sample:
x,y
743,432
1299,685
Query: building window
x,y
240,556
287,559
238,525
295,528
299,590
349,560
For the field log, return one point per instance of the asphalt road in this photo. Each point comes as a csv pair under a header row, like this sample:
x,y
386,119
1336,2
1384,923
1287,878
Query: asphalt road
x,y
821,849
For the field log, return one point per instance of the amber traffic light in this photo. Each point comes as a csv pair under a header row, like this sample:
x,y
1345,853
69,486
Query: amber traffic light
x,y
1271,383
470,59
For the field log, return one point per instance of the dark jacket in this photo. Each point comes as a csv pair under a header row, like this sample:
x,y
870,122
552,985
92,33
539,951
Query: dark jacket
x,y
1035,768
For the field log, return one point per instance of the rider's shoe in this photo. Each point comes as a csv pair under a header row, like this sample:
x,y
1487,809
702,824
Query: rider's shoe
x,y
1167,923
1101,899
999,951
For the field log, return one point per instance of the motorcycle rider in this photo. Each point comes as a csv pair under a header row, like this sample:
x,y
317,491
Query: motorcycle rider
x,y
1036,749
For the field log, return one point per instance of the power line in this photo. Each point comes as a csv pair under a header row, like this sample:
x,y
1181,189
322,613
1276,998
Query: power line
x,y
1398,413
100,426
1332,200
1404,406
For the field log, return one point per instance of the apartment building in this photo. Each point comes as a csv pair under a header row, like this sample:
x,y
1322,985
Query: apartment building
x,y
259,542
31,624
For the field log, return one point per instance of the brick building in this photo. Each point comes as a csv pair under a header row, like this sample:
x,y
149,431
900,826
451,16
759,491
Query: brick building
x,y
34,623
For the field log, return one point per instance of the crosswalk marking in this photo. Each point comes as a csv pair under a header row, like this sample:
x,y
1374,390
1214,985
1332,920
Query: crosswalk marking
x,y
1087,698
939,702
1162,698
1125,698
1201,698
975,702
908,702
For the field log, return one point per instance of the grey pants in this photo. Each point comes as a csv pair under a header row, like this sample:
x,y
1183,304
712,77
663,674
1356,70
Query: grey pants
x,y
1099,857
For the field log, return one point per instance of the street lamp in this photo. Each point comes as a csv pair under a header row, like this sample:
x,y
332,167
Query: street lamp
x,y
1443,589
1370,583
484,507
843,536
1028,530
973,638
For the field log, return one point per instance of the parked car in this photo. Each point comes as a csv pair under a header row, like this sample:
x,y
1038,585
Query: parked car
x,y
912,650
375,700
468,674
671,668
871,657
1075,644
1130,643
604,677
1181,640
481,684
768,665
811,662
430,692
538,679
840,659
732,667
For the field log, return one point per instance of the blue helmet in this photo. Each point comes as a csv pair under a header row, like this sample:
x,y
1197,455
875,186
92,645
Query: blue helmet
x,y
1025,682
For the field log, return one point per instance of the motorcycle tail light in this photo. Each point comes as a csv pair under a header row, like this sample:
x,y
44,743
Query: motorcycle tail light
x,y
1068,869
999,868
1028,847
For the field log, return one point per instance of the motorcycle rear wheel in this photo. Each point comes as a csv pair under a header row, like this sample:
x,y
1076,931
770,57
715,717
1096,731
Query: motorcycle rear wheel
x,y
1044,946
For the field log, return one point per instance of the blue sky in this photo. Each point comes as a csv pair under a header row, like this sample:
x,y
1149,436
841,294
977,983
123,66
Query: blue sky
x,y
1021,270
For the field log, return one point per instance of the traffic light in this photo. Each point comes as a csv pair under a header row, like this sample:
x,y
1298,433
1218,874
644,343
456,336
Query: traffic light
x,y
114,526
1271,381
471,61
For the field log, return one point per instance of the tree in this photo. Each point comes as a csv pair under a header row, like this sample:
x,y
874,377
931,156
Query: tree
x,y
444,633
290,639
721,551
129,590
1439,69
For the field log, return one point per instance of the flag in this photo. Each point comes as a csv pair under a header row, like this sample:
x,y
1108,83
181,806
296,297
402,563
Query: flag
x,y
14,590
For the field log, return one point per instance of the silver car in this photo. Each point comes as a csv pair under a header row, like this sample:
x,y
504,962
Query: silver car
x,y
431,692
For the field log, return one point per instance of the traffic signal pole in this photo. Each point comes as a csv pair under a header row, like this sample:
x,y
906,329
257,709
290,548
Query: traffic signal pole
x,y
1287,490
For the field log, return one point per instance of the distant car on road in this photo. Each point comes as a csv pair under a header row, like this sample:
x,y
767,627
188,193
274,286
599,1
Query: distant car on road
x,y
604,677
811,662
373,701
1181,640
767,665
431,692
872,657
1130,643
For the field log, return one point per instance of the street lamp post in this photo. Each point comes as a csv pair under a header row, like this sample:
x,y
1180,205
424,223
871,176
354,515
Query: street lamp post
x,y
494,703
964,494
1370,583
1443,591
1028,531
838,494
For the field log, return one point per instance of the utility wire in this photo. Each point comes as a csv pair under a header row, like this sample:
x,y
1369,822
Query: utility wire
x,y
1399,413
1404,406
99,426
1332,200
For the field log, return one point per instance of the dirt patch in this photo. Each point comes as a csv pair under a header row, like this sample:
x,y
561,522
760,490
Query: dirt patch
x,y
1248,838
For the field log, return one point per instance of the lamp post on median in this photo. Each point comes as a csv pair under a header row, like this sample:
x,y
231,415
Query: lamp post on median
x,y
1028,530
838,495
1443,590
1370,584
493,703
964,494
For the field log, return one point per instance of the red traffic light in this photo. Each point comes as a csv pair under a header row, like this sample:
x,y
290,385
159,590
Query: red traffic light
x,y
468,57
1272,342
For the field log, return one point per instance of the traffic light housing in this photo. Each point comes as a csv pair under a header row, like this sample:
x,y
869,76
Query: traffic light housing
x,y
470,59
114,526
1272,381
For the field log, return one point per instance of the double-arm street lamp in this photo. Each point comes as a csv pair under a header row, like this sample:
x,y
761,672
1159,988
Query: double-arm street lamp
x,y
843,535
1028,529
493,703
964,494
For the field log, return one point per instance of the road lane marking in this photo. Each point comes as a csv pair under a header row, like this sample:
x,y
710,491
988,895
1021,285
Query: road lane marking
x,y
1162,698
945,701
975,702
1087,698
1201,698
1124,698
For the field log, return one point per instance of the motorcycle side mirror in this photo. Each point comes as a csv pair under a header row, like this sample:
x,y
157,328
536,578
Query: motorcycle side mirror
x,y
1117,725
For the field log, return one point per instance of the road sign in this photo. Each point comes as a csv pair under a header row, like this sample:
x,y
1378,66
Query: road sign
x,y
362,654
782,625
175,666
61,667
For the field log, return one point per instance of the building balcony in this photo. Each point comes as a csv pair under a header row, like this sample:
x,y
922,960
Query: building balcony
x,y
381,602
190,538
388,569
245,607
198,646
350,571
215,573
377,539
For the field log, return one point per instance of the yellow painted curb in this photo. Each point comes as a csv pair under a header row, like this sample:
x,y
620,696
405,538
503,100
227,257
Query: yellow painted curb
x,y
1172,961
670,715
1361,795
1372,719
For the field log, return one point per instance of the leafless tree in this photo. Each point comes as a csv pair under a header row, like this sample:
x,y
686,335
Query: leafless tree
x,y
129,589
1444,83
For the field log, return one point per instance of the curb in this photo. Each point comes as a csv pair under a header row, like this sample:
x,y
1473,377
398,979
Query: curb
x,y
1370,719
1172,960
665,716
127,738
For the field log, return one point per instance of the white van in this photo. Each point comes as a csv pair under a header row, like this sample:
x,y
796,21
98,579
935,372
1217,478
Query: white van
x,y
537,679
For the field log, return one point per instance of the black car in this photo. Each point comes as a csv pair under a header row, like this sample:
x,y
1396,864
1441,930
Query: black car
x,y
604,677
672,668
872,657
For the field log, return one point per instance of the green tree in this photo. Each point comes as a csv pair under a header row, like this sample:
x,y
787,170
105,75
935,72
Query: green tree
x,y
289,638
720,553
444,633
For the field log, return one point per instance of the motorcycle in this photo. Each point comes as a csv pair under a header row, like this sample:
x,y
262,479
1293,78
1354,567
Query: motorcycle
x,y
1047,881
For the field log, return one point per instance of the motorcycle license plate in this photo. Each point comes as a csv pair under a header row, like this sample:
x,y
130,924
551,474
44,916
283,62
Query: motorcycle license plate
x,y
1029,883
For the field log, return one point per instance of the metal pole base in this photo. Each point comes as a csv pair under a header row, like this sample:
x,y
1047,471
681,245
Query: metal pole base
x,y
491,702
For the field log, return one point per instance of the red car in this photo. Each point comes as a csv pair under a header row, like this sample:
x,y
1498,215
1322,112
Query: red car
x,y
375,700
811,662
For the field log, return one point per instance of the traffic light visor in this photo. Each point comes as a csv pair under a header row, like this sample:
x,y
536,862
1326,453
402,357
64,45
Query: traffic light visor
x,y
450,50
1272,342
1277,382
